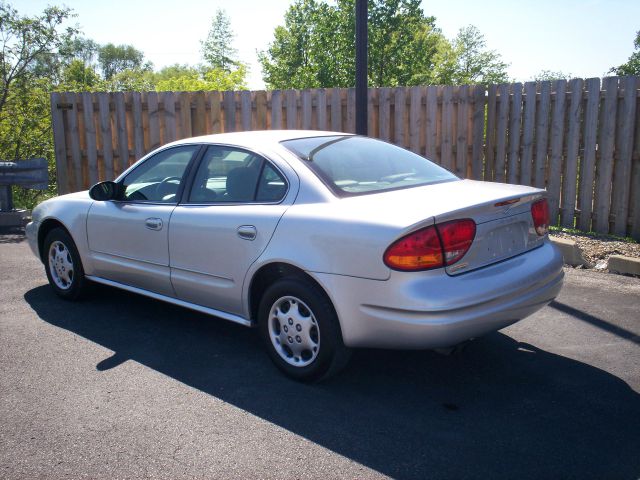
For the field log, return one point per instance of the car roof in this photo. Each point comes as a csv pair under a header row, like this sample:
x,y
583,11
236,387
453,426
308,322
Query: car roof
x,y
254,138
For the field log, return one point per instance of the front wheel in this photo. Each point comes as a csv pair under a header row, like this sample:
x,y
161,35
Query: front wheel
x,y
300,329
63,266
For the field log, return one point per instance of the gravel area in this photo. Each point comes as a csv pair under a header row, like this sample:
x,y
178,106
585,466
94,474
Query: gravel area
x,y
596,249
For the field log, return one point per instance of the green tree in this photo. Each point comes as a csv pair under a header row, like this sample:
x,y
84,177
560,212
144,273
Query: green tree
x,y
29,60
468,61
78,57
551,75
171,78
114,59
173,71
222,69
77,76
316,45
436,59
129,80
219,79
305,53
189,78
632,66
25,41
80,48
217,48
403,42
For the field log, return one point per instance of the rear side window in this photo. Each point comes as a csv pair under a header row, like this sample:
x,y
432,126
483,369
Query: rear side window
x,y
272,186
232,175
353,165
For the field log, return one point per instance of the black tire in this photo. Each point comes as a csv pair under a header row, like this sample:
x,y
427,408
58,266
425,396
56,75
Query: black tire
x,y
68,283
331,355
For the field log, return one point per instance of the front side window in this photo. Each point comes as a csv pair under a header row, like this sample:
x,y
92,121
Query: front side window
x,y
231,175
158,179
353,165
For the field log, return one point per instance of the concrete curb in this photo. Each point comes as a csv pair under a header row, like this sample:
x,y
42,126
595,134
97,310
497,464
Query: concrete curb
x,y
624,265
570,252
572,255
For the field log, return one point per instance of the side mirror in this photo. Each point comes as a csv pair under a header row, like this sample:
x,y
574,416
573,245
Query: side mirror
x,y
103,191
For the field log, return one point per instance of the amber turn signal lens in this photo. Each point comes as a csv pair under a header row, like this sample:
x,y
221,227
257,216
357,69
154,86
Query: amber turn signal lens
x,y
419,250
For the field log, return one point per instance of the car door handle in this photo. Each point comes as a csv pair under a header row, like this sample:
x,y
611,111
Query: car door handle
x,y
153,223
247,232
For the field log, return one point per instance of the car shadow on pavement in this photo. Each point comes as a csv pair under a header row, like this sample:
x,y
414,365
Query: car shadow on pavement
x,y
11,235
498,409
596,322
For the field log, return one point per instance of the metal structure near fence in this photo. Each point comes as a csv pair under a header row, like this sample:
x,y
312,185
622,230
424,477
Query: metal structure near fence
x,y
32,173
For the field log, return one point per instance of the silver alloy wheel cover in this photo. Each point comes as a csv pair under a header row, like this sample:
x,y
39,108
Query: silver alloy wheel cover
x,y
61,265
294,334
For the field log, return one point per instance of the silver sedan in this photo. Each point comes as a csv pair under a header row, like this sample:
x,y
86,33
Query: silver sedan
x,y
324,241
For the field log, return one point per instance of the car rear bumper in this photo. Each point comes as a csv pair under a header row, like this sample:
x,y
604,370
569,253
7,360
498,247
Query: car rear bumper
x,y
432,309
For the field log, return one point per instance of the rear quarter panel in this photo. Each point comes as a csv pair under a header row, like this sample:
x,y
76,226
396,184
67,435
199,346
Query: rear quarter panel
x,y
325,239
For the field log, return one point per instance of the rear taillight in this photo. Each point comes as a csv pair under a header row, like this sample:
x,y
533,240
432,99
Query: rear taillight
x,y
540,215
419,250
431,247
457,236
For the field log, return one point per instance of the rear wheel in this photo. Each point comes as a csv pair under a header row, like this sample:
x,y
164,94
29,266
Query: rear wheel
x,y
301,331
63,266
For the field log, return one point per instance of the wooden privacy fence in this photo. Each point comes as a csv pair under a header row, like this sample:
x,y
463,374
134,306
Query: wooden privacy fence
x,y
579,139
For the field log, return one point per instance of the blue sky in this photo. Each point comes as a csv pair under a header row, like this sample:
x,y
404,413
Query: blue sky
x,y
583,38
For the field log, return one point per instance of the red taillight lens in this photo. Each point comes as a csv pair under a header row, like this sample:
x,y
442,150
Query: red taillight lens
x,y
419,250
457,236
431,247
540,215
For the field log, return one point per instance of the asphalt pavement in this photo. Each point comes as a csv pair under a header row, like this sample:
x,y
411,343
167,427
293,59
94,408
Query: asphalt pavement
x,y
121,386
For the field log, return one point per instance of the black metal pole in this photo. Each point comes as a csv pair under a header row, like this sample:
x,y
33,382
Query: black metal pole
x,y
361,67
6,200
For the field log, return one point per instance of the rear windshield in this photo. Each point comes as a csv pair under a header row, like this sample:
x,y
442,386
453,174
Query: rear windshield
x,y
353,165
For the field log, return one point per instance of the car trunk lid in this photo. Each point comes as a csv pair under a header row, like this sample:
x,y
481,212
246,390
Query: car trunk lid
x,y
504,228
502,213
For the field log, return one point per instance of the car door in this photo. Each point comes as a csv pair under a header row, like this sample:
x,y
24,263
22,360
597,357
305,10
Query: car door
x,y
230,213
128,237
